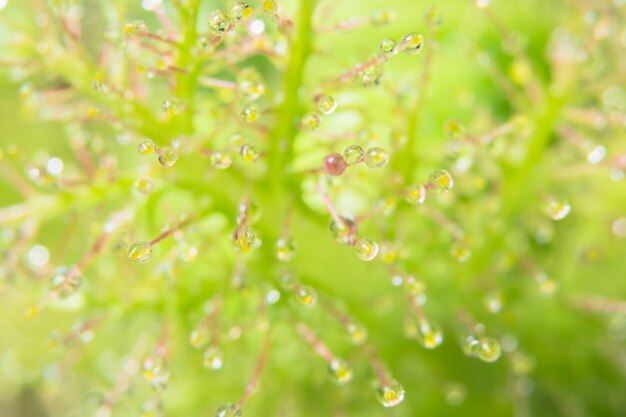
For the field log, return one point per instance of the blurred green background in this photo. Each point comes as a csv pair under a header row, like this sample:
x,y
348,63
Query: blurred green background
x,y
559,360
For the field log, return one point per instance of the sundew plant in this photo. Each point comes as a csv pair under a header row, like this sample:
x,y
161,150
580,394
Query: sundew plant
x,y
312,208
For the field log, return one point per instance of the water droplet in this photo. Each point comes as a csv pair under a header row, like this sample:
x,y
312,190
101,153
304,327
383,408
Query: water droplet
x,y
172,106
441,181
353,154
344,232
245,240
326,104
415,194
414,286
366,249
556,210
358,333
310,121
413,43
489,350
66,281
137,26
429,335
387,45
391,394
334,164
239,11
38,256
146,147
218,22
212,359
228,410
285,250
199,337
248,153
140,252
249,114
144,185
270,7
306,295
382,17
376,158
168,157
340,371
220,160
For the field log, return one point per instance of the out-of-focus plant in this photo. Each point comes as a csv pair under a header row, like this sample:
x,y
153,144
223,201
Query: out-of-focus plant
x,y
231,213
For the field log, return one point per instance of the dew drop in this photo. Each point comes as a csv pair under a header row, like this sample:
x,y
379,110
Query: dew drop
x,y
285,250
353,154
218,23
66,281
310,121
239,11
168,157
441,181
366,249
376,158
390,394
146,147
429,335
387,45
248,152
358,333
340,371
220,160
249,114
144,185
415,194
413,43
228,410
556,210
212,359
326,104
140,252
306,295
489,350
270,7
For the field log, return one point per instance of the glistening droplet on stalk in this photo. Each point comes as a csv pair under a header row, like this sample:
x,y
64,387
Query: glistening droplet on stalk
x,y
366,249
353,154
218,23
389,394
140,252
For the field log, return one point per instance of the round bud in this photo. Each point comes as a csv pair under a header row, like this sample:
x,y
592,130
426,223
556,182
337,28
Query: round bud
x,y
140,252
376,158
353,154
334,164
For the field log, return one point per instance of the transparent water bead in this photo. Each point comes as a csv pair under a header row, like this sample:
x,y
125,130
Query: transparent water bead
x,y
556,210
311,121
366,249
353,154
218,23
441,180
390,394
270,7
213,359
250,114
228,410
387,45
334,164
415,194
66,281
489,350
413,43
429,335
340,371
376,158
326,104
285,249
358,333
220,160
239,11
168,157
306,295
146,147
140,252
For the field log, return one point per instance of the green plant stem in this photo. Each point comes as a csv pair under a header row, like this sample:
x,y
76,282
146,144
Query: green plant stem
x,y
282,137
